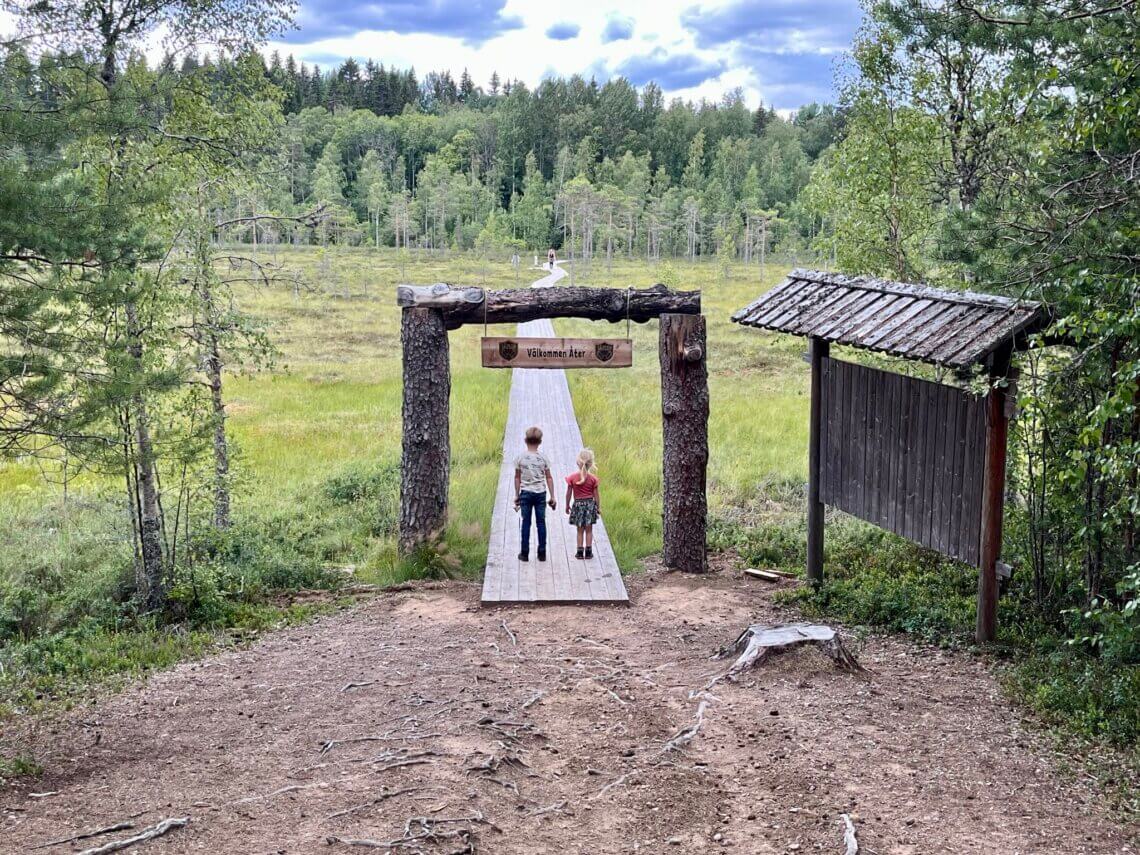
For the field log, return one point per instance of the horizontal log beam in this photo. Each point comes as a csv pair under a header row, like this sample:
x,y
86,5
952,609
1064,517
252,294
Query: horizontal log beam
x,y
461,306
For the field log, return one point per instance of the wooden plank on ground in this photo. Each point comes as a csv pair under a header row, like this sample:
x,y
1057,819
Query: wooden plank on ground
x,y
542,397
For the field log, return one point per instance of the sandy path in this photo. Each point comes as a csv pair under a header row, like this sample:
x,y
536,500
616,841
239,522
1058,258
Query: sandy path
x,y
557,740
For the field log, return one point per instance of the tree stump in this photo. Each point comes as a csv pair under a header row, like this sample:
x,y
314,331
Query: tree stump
x,y
426,450
759,641
685,423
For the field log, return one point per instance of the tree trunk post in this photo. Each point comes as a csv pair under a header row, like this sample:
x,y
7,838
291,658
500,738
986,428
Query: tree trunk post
x,y
819,350
685,423
426,452
993,499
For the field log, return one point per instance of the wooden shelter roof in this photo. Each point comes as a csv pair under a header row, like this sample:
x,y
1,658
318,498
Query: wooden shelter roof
x,y
951,328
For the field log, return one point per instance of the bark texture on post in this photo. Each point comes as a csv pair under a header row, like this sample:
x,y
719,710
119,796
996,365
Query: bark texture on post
x,y
685,422
993,499
426,451
819,350
518,305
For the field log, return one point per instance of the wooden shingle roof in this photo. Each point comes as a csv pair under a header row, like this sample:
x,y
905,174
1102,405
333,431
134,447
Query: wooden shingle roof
x,y
951,328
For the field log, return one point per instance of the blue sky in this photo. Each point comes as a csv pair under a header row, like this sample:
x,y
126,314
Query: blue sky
x,y
781,52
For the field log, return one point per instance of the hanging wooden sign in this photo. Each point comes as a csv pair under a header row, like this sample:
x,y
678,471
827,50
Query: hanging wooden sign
x,y
501,352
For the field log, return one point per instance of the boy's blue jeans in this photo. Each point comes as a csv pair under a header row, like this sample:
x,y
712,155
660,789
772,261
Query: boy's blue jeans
x,y
536,502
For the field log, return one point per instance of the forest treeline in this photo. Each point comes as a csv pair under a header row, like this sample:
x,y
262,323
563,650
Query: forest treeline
x,y
986,145
440,164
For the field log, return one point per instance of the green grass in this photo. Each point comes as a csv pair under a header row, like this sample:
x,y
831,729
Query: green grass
x,y
333,399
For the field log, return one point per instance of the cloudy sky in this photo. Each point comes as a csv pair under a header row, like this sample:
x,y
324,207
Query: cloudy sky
x,y
781,52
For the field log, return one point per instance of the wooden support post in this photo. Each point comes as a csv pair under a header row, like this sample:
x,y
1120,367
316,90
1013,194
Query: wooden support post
x,y
685,422
426,452
819,351
993,498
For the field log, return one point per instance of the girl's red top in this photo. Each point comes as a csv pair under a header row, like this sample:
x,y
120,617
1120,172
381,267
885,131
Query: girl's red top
x,y
588,489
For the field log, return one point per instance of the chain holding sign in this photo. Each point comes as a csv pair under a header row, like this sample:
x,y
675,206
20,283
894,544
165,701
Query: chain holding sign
x,y
505,352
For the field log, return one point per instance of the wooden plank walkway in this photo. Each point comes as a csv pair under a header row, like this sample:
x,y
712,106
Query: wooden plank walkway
x,y
542,397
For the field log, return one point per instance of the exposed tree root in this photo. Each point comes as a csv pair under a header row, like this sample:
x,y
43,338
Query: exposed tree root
x,y
423,829
557,807
685,735
616,782
383,797
148,834
85,835
849,841
510,635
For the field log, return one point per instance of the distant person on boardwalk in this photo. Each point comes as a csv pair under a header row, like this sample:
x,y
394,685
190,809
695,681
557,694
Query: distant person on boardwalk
x,y
533,482
582,487
550,258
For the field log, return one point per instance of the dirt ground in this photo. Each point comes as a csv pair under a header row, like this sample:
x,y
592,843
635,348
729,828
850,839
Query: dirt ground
x,y
422,723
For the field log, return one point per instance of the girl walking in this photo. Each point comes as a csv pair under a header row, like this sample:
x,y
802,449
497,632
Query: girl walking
x,y
582,487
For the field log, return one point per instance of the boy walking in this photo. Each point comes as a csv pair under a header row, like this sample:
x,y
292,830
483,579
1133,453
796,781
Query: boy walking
x,y
533,482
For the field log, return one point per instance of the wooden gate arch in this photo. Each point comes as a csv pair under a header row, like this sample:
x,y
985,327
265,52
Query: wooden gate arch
x,y
430,312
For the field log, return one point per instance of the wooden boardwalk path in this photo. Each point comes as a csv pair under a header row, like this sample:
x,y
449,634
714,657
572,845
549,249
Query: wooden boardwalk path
x,y
542,397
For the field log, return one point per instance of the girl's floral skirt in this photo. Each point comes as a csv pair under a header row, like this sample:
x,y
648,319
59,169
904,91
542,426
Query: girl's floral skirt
x,y
584,512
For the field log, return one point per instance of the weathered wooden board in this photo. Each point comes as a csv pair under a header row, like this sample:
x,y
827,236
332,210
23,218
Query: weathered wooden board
x,y
520,352
905,454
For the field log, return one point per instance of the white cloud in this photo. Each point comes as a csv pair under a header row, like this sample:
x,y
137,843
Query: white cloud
x,y
527,54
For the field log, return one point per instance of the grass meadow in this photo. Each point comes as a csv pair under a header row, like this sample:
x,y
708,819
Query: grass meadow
x,y
330,403
334,400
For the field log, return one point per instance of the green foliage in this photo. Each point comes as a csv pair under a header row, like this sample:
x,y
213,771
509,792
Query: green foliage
x,y
1092,697
994,145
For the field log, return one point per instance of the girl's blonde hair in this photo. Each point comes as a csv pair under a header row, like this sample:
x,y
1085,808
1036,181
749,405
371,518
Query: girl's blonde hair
x,y
586,464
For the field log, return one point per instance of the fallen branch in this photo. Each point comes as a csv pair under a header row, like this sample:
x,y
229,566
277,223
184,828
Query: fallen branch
x,y
849,840
85,835
154,831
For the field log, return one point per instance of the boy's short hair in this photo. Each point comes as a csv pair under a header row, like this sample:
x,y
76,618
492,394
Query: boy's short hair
x,y
534,436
